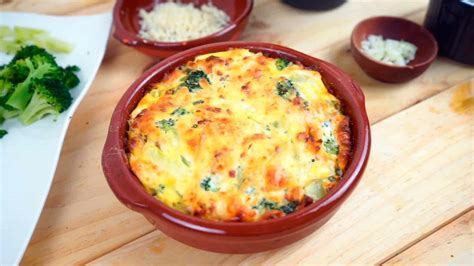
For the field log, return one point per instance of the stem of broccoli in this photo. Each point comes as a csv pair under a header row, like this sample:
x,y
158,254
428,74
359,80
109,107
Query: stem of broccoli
x,y
36,109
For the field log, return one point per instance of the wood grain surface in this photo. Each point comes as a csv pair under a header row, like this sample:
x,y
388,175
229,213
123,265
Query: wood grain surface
x,y
413,186
445,246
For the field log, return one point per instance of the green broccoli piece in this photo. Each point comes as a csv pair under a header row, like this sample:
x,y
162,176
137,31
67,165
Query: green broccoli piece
x,y
165,124
70,78
49,97
192,80
267,204
329,141
185,161
281,63
5,88
3,132
14,73
198,102
38,66
209,183
32,50
6,112
37,63
286,89
33,85
66,75
290,207
180,111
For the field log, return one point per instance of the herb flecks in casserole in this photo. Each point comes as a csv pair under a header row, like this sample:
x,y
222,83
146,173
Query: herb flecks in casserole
x,y
238,136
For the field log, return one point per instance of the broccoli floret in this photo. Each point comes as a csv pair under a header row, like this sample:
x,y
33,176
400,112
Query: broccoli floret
x,y
286,89
329,141
209,183
3,132
39,66
14,73
267,204
50,97
33,85
193,78
165,124
198,102
65,76
70,78
281,63
290,207
33,50
180,111
5,88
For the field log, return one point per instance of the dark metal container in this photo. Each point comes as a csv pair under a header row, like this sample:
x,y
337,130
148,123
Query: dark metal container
x,y
452,24
315,4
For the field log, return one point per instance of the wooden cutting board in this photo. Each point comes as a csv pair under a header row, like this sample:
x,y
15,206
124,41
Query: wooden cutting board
x,y
413,205
402,197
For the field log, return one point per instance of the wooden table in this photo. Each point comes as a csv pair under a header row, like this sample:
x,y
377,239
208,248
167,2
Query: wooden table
x,y
413,205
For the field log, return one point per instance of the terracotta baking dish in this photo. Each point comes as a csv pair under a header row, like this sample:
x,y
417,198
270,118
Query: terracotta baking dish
x,y
127,25
234,237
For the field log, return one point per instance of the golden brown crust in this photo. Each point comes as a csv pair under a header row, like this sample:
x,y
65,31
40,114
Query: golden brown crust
x,y
239,136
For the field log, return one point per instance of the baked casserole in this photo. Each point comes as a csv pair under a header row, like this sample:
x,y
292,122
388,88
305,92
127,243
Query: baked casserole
x,y
239,136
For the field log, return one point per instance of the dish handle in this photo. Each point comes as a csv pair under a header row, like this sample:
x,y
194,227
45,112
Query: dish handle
x,y
121,179
358,92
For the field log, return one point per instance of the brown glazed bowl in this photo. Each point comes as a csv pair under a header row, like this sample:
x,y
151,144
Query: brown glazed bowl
x,y
398,29
127,25
234,237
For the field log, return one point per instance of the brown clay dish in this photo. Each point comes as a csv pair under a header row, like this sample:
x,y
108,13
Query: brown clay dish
x,y
398,29
235,237
127,25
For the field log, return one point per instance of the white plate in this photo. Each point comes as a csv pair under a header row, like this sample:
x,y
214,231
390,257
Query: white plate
x,y
29,155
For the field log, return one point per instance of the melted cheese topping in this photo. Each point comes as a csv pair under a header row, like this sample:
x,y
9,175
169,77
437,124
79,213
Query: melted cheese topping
x,y
239,136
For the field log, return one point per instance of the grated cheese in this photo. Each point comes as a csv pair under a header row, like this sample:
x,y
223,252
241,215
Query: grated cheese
x,y
174,22
389,51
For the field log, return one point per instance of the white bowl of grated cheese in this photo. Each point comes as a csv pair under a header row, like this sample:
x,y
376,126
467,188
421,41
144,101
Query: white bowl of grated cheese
x,y
162,28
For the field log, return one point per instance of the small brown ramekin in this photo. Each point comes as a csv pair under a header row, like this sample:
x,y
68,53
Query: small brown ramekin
x,y
235,237
398,29
127,26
